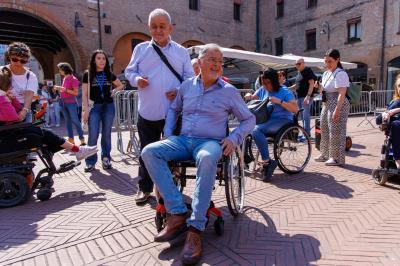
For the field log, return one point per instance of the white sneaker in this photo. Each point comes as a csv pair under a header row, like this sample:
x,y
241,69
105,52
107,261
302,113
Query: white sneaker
x,y
85,151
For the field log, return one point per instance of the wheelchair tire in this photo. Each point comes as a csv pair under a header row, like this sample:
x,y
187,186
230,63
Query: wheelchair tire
x,y
44,194
287,145
379,176
233,171
14,189
159,221
219,226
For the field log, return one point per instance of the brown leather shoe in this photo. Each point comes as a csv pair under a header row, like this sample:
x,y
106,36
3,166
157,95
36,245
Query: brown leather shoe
x,y
191,253
176,225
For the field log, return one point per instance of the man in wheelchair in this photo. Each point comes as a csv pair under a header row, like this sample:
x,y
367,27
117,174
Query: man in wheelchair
x,y
205,103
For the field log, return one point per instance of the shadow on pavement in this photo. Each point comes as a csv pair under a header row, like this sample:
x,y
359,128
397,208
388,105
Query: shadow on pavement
x,y
116,181
19,225
313,182
251,239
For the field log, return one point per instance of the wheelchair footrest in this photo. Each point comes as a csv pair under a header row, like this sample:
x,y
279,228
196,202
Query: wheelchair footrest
x,y
65,167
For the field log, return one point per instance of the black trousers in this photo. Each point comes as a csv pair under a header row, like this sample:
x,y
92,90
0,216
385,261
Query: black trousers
x,y
149,132
34,137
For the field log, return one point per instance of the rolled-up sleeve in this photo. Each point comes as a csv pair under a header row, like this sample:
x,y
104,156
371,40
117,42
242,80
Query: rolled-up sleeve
x,y
132,70
246,118
173,113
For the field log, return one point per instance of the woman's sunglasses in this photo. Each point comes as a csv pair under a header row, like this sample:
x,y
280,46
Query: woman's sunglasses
x,y
15,60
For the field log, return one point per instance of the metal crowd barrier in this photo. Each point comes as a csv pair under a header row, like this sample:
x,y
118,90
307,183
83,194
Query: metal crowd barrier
x,y
126,103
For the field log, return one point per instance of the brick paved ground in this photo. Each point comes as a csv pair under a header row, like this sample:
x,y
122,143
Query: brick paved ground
x,y
324,216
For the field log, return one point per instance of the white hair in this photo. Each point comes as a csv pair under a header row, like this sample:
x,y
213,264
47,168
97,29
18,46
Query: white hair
x,y
194,61
159,12
209,46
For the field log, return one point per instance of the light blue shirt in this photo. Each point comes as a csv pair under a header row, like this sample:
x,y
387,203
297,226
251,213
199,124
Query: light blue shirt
x,y
283,94
205,112
145,62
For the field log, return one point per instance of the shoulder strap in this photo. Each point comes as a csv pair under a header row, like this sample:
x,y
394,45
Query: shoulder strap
x,y
165,60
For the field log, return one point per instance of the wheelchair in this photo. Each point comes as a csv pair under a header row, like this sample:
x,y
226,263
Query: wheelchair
x,y
387,167
291,147
17,179
230,174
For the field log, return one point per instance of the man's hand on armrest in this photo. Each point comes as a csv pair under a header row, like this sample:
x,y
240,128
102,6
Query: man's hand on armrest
x,y
227,146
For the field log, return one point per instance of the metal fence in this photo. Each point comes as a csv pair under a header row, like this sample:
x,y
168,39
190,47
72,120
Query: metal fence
x,y
126,105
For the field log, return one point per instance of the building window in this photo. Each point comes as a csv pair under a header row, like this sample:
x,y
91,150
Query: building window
x,y
135,42
279,46
107,29
312,3
194,4
354,30
311,40
279,8
236,11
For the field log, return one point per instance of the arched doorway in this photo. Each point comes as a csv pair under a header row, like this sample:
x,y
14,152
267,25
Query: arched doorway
x,y
123,49
191,43
359,74
393,70
44,33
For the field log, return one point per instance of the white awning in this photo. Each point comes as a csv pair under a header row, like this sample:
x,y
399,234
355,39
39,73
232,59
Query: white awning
x,y
316,62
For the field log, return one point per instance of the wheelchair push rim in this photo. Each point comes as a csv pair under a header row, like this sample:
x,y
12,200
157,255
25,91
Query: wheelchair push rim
x,y
235,182
292,149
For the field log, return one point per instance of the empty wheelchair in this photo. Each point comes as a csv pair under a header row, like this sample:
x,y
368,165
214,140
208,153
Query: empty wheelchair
x,y
291,147
230,174
387,167
17,179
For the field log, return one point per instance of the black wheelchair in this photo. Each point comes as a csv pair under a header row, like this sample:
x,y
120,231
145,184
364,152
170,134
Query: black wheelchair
x,y
230,174
291,147
17,179
387,167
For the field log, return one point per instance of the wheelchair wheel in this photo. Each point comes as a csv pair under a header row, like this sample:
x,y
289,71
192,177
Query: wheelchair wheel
x,y
291,151
44,194
380,177
159,221
233,171
14,189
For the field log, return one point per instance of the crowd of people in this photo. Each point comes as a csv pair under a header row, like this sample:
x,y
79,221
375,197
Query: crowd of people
x,y
172,88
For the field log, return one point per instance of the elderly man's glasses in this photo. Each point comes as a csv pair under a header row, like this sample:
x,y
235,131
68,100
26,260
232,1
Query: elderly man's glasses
x,y
16,60
298,64
215,61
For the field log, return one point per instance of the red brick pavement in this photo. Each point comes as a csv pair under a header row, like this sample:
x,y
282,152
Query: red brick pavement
x,y
324,216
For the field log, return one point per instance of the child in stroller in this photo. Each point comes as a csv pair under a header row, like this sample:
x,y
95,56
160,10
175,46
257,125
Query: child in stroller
x,y
17,140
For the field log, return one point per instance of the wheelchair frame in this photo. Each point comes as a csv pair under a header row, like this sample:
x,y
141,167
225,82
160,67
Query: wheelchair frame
x,y
17,180
387,166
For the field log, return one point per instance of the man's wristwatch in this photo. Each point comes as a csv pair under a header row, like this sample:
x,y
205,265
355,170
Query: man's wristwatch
x,y
281,102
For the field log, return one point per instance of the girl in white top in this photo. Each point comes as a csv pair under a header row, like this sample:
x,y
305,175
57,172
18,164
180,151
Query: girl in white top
x,y
24,82
335,111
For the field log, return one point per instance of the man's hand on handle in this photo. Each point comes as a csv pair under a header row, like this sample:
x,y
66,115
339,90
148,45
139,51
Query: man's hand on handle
x,y
227,146
143,82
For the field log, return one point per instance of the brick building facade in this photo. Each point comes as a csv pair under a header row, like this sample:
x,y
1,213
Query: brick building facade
x,y
355,27
124,23
303,27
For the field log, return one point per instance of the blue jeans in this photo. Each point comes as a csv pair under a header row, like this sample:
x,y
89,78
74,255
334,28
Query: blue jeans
x,y
70,113
206,153
306,114
103,113
55,113
272,126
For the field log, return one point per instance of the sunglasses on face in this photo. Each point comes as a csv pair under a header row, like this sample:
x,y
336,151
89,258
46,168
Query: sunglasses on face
x,y
15,60
298,64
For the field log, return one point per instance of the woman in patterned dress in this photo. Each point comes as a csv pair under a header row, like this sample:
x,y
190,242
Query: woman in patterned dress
x,y
335,111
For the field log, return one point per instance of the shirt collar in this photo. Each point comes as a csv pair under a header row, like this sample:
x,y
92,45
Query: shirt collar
x,y
219,81
168,44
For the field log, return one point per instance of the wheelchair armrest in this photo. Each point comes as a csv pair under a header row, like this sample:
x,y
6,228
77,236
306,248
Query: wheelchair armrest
x,y
20,125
